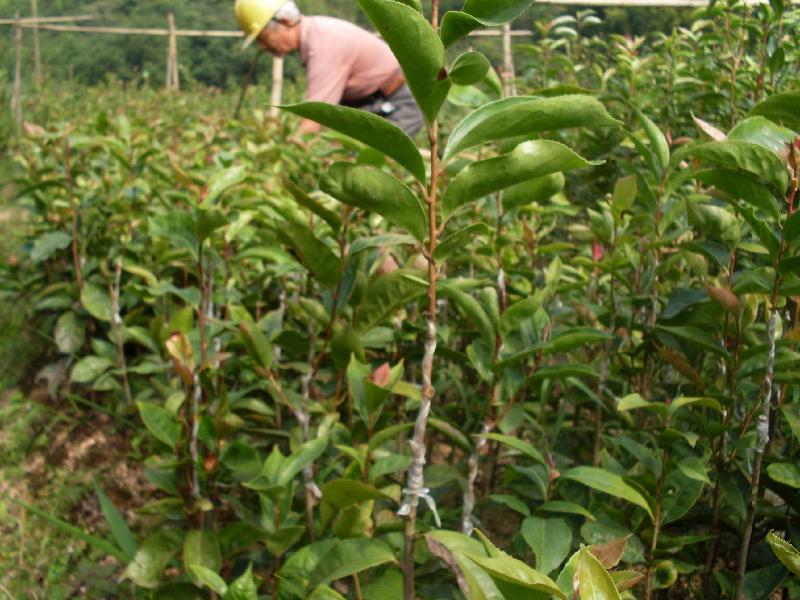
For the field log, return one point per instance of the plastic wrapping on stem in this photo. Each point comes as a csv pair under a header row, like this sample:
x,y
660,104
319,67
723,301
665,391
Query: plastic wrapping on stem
x,y
415,488
468,523
762,427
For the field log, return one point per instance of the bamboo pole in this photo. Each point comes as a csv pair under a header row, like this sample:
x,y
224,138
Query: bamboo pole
x,y
277,86
509,75
30,22
37,55
173,75
16,98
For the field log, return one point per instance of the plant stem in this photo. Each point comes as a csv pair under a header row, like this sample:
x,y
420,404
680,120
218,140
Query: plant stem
x,y
117,326
656,524
415,480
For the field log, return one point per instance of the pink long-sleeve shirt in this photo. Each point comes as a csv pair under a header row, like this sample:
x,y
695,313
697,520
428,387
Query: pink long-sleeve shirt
x,y
343,61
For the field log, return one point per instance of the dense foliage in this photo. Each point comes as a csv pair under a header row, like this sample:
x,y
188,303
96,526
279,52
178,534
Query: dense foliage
x,y
553,357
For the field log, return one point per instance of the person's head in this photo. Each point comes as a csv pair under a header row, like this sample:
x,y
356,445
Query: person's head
x,y
272,22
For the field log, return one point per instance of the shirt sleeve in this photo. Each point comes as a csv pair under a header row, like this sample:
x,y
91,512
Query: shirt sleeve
x,y
327,78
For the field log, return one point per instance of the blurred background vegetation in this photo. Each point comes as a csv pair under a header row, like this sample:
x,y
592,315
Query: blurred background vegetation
x,y
93,59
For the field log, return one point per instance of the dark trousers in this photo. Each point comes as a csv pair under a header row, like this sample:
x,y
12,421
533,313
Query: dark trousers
x,y
400,108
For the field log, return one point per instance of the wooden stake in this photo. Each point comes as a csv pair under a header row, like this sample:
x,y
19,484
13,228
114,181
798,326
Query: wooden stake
x,y
37,56
16,98
173,75
277,86
509,76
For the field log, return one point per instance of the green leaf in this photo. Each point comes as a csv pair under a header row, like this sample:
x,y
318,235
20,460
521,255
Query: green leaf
x,y
242,459
533,191
570,508
564,371
515,503
207,577
386,294
207,220
70,333
160,423
682,402
422,61
781,108
636,402
480,13
372,189
200,547
89,368
98,543
372,130
763,132
695,469
97,302
523,116
506,569
221,182
697,337
658,142
314,254
607,482
341,493
281,541
744,156
785,473
152,558
303,456
594,581
785,552
472,309
550,540
739,186
519,445
244,588
328,560
257,344
469,68
116,523
48,244
306,201
529,160
457,241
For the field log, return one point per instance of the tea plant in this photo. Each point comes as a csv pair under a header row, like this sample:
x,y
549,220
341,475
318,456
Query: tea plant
x,y
553,356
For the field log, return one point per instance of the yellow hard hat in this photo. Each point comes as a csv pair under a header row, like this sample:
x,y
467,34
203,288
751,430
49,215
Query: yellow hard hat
x,y
254,15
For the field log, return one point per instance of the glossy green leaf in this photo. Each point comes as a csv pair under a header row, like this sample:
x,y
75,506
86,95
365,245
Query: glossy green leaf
x,y
472,309
609,483
302,457
785,473
684,401
160,423
200,547
525,115
781,108
90,368
505,569
315,255
208,578
221,182
658,142
244,588
744,156
371,189
459,240
49,244
97,302
763,132
469,68
372,130
785,552
594,582
519,445
695,469
549,539
147,568
739,186
528,161
70,333
480,13
566,507
257,344
532,191
386,294
341,493
422,61
306,201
